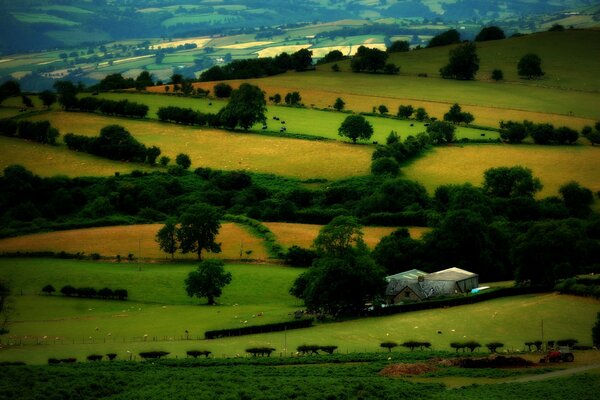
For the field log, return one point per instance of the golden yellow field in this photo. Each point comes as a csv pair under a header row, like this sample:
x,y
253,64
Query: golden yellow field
x,y
553,165
199,41
303,234
229,150
46,160
245,45
135,239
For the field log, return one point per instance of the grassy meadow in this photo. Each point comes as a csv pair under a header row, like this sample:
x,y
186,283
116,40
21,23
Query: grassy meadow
x,y
303,121
54,326
553,165
138,240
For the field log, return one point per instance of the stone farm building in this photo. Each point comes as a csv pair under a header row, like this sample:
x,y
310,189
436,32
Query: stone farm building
x,y
415,285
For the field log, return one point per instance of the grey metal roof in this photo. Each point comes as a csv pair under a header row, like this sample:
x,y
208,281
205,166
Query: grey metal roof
x,y
450,274
411,274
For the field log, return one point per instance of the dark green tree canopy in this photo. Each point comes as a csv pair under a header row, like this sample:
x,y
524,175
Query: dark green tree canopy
x,y
368,60
398,251
246,107
356,127
143,80
463,63
48,98
399,46
208,281
338,237
302,59
530,66
510,182
490,33
183,160
166,237
457,116
339,104
441,132
445,38
199,226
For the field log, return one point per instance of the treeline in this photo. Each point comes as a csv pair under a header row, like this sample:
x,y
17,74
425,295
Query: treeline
x,y
115,143
259,67
40,131
121,108
185,116
89,292
544,133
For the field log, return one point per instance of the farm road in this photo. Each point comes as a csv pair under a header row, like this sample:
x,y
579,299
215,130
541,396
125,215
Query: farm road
x,y
556,374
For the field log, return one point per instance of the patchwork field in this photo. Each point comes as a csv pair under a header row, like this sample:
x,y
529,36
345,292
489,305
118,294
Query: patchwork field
x,y
230,151
135,239
48,160
53,326
553,165
303,235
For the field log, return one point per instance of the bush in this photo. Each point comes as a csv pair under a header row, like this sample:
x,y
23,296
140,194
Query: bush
x,y
183,160
493,346
328,349
308,349
385,166
388,345
111,356
68,290
48,289
94,357
198,353
299,257
53,361
222,90
260,351
150,355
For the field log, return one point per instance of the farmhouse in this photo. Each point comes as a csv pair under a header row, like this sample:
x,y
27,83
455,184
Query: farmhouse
x,y
415,285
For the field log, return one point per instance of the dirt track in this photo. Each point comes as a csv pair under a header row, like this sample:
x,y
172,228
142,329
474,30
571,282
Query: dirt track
x,y
556,374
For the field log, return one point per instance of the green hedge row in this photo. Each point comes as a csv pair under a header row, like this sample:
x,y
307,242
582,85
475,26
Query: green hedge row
x,y
251,330
274,248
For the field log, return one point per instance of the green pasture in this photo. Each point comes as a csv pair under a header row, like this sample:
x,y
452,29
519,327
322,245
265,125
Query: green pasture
x,y
34,18
54,326
570,59
303,121
553,165
498,101
199,18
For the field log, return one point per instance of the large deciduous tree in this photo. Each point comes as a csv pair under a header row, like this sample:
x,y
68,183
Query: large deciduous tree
x,y
199,226
166,237
344,277
441,132
356,127
530,66
463,63
246,107
208,280
490,33
509,182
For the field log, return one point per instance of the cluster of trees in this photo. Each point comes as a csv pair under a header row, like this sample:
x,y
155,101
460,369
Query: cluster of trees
x,y
372,60
118,82
115,143
543,133
463,63
259,67
457,116
40,131
195,230
179,115
410,344
122,108
88,292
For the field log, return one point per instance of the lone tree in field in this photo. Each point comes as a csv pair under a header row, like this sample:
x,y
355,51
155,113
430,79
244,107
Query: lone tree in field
x,y
530,66
246,107
48,289
339,104
48,98
199,226
463,63
356,127
208,280
166,237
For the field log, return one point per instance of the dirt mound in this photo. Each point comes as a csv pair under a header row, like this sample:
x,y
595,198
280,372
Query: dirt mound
x,y
406,369
493,362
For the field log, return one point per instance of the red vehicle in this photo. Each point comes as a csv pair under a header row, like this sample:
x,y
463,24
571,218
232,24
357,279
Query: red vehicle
x,y
563,354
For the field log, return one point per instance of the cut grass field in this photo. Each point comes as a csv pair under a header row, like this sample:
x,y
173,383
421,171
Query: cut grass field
x,y
228,150
158,307
305,121
135,239
303,235
553,165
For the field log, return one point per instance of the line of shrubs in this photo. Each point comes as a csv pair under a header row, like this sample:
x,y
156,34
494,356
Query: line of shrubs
x,y
88,292
544,133
411,344
580,287
275,249
306,349
122,108
251,330
40,131
260,351
185,116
